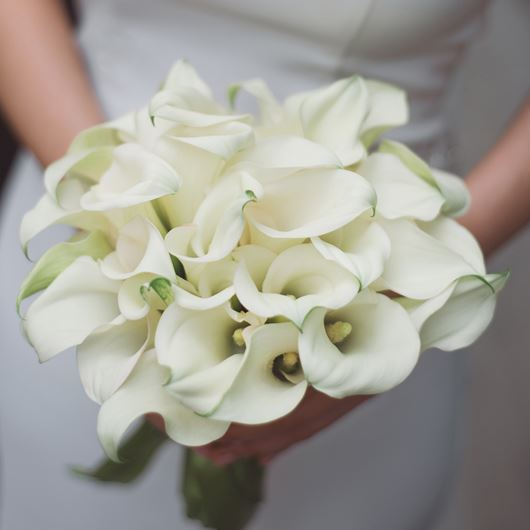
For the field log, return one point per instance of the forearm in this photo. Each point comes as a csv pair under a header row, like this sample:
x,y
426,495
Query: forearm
x,y
500,186
44,89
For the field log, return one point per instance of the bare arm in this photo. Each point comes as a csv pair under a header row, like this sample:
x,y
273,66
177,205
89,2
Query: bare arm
x,y
44,89
500,186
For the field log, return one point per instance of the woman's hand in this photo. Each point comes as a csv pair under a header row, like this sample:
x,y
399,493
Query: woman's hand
x,y
264,442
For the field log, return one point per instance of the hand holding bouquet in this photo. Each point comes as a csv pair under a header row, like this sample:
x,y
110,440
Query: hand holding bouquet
x,y
223,263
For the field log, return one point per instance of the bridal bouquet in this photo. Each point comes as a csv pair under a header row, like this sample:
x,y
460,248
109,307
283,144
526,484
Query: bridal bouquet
x,y
222,262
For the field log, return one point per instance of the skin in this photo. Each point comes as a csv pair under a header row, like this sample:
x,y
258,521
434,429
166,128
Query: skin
x,y
47,97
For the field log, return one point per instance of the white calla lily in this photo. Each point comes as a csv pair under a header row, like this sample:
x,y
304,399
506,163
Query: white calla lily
x,y
387,108
362,247
109,354
198,170
57,258
453,189
140,248
287,153
215,376
88,164
135,176
297,281
144,392
197,119
77,302
459,315
421,266
211,284
272,112
182,74
378,351
107,134
257,394
218,224
206,335
347,116
333,116
49,211
207,285
457,238
400,192
309,203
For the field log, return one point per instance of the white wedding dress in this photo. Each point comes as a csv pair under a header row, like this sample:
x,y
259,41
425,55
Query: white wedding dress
x,y
387,466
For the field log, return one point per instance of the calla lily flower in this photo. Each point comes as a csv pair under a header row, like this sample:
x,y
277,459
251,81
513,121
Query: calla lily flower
x,y
427,258
377,351
309,203
407,187
58,258
225,377
297,281
459,315
197,119
303,204
135,176
286,154
361,247
346,117
65,209
109,354
218,224
144,392
400,192
140,248
78,301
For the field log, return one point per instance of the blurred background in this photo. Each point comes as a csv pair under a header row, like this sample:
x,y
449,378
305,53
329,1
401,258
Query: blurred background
x,y
493,488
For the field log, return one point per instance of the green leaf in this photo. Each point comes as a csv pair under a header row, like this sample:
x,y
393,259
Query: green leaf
x,y
58,258
136,454
223,498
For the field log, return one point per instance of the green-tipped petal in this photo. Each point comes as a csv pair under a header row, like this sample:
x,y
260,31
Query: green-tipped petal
x,y
57,258
76,303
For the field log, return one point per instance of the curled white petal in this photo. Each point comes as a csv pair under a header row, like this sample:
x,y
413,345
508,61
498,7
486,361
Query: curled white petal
x,y
77,302
135,176
298,280
140,248
109,354
459,315
333,116
310,202
218,224
256,394
400,192
421,266
143,393
362,247
380,352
